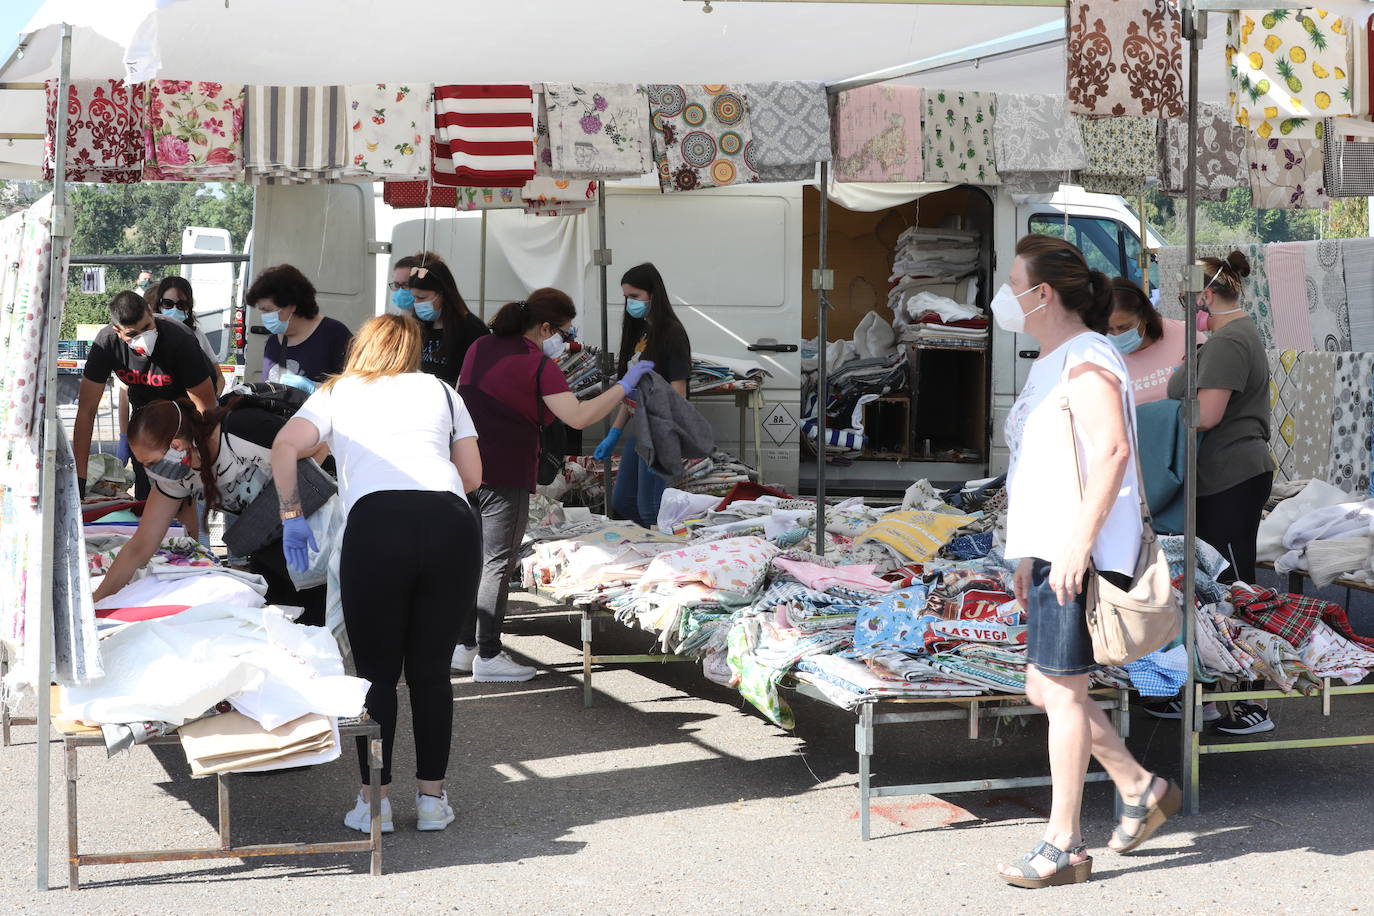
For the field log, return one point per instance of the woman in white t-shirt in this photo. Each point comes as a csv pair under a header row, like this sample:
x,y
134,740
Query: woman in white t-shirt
x,y
411,554
1053,296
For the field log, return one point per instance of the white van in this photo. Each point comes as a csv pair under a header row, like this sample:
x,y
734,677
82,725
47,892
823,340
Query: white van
x,y
737,262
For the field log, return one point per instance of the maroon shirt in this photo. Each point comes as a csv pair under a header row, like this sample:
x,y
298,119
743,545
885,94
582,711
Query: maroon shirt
x,y
497,384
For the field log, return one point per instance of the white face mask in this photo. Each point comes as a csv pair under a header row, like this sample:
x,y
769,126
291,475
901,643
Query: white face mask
x,y
555,346
1006,308
143,343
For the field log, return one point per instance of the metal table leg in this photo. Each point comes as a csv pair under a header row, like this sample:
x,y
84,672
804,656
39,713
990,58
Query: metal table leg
x,y
374,783
863,744
73,863
586,658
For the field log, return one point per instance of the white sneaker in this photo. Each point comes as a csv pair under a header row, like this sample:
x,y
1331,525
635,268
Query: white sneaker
x,y
432,813
500,668
360,818
462,659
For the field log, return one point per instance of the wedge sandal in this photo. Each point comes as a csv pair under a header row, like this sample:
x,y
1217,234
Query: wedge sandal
x,y
1065,872
1151,817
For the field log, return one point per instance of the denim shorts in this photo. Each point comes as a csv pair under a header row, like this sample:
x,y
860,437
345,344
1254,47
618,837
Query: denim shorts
x,y
1057,637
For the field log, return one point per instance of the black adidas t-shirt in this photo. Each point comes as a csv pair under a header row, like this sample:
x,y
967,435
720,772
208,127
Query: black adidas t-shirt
x,y
176,365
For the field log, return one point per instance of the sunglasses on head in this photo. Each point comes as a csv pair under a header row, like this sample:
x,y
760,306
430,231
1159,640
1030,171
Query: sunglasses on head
x,y
420,272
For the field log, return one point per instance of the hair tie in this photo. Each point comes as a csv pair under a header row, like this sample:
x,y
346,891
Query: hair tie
x,y
523,306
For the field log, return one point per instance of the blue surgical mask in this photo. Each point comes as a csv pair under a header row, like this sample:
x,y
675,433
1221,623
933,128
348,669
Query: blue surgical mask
x,y
403,298
635,308
174,314
1127,341
425,310
274,323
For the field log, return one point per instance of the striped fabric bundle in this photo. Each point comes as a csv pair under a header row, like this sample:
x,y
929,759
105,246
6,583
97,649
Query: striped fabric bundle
x,y
296,134
485,135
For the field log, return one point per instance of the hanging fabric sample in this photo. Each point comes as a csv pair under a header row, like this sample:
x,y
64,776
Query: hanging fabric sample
x,y
404,195
1122,154
76,656
194,131
1221,158
791,126
1125,57
1035,142
484,134
1352,419
957,136
105,125
1311,413
1286,265
1357,266
1286,174
389,129
1254,290
557,197
1285,399
1289,70
296,135
1327,305
1348,162
877,134
595,130
702,137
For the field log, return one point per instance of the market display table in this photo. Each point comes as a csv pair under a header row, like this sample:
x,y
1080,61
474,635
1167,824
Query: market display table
x,y
592,613
1296,577
75,736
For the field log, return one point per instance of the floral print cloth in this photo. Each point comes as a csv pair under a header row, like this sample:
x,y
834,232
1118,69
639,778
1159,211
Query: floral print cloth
x,y
1221,158
791,124
105,122
1122,154
877,134
957,136
1289,69
194,131
390,128
26,246
702,137
1035,141
734,568
1125,57
1286,174
596,130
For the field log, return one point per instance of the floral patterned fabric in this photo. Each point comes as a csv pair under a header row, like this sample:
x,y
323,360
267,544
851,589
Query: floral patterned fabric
x,y
1289,69
556,196
1286,174
105,122
194,131
1254,291
877,134
1125,57
702,137
390,128
26,243
594,130
1035,141
733,568
1122,153
1221,159
958,136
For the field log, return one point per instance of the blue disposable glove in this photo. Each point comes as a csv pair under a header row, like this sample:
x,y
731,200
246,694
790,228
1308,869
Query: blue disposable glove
x,y
122,450
607,446
634,374
297,542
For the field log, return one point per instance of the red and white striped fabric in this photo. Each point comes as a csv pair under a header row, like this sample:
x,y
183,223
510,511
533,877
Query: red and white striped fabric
x,y
485,134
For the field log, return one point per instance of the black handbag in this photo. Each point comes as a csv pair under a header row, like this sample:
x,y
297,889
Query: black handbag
x,y
259,525
553,436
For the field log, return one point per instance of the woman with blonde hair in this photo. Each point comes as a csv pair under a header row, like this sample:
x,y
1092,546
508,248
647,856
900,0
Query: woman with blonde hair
x,y
411,552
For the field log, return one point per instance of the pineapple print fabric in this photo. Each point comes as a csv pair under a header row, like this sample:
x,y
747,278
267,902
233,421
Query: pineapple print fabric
x,y
958,136
1289,70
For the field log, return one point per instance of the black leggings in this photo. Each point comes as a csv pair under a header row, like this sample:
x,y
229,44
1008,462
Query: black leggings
x,y
1230,521
408,576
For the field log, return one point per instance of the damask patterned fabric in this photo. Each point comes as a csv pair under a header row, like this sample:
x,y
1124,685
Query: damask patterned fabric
x,y
1357,266
596,130
1288,295
1352,418
702,137
1035,141
1122,154
390,128
1327,306
194,131
105,124
957,136
877,131
1125,57
791,125
1289,70
1286,174
1221,159
1348,163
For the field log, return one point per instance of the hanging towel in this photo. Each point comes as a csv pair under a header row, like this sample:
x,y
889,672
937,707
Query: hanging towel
x,y
667,429
1125,57
1163,443
1035,142
76,654
1286,174
1310,408
1221,158
702,137
1284,400
1122,154
957,137
877,134
556,196
1352,410
1289,69
485,135
1327,305
1286,262
791,126
390,126
598,130
194,131
296,135
105,125
1357,265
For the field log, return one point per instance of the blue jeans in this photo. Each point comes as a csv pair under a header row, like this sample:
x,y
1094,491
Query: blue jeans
x,y
638,490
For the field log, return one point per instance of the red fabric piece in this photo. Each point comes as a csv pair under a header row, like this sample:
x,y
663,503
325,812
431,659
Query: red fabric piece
x,y
934,318
976,604
94,515
1292,617
410,195
460,132
749,490
135,614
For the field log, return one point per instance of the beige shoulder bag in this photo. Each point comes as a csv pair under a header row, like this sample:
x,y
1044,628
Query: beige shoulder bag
x,y
1127,624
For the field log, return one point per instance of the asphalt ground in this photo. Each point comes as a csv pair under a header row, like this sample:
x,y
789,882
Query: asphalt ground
x,y
672,795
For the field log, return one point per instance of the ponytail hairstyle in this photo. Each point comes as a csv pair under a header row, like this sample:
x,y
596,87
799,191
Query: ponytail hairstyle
x,y
544,306
1130,298
1083,291
1226,278
435,277
157,424
660,328
183,286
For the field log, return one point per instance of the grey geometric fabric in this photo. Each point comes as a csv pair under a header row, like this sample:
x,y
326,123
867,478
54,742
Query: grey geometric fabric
x,y
790,121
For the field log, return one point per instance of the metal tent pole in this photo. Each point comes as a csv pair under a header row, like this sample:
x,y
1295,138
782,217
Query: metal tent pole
x,y
602,259
61,228
482,274
821,282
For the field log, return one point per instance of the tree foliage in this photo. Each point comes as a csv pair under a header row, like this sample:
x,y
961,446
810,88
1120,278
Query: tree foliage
x,y
1234,221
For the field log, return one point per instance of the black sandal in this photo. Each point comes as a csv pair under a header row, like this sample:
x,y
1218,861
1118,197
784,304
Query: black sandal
x,y
1065,872
1151,817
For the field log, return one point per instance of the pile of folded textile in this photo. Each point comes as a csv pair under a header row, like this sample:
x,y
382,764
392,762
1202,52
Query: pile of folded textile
x,y
852,387
935,284
722,375
582,367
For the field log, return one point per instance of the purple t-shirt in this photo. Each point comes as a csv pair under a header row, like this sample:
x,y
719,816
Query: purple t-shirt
x,y
498,386
319,356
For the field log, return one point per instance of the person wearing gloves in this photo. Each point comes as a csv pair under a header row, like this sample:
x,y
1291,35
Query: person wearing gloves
x,y
650,330
303,342
223,456
411,549
450,328
512,385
